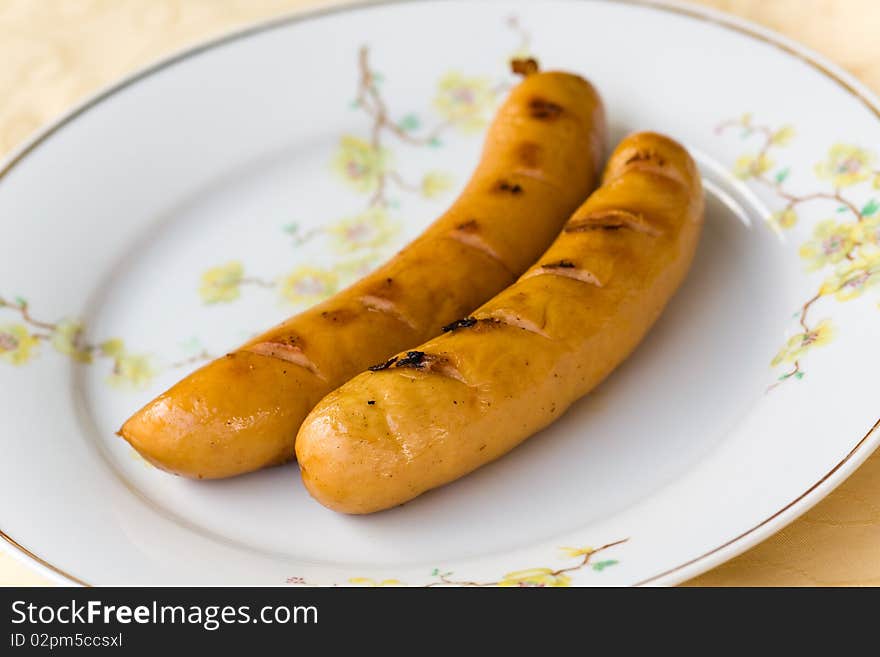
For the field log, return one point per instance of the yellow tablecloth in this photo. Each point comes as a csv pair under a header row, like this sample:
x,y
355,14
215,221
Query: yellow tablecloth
x,y
55,53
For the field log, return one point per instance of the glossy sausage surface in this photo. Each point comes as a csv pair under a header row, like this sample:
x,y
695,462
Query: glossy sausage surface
x,y
241,412
439,411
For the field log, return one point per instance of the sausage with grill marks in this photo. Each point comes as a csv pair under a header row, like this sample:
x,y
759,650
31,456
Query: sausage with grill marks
x,y
437,412
241,412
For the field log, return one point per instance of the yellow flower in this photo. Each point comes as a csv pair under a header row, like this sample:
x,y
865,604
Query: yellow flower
x,y
868,231
467,102
782,136
846,165
67,339
17,345
360,163
750,166
798,344
576,552
307,285
786,218
221,284
132,370
370,229
434,183
746,119
853,278
369,581
112,348
876,182
535,577
831,243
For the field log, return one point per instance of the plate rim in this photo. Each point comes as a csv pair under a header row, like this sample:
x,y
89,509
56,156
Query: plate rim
x,y
697,565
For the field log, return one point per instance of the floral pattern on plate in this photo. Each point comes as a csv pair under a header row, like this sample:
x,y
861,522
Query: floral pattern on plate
x,y
844,247
526,578
361,242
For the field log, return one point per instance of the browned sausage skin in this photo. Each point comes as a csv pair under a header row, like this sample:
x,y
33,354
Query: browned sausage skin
x,y
439,411
241,412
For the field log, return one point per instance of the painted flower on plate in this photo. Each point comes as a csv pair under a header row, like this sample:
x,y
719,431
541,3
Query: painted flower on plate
x,y
132,370
369,581
359,163
751,166
17,345
782,136
831,243
846,165
576,552
869,231
435,183
535,577
465,101
370,229
800,343
221,284
854,277
67,339
307,285
784,219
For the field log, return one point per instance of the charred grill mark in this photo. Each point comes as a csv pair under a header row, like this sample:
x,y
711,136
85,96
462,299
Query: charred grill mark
x,y
430,363
611,220
419,360
383,366
468,233
413,359
288,349
562,264
507,186
513,320
583,275
528,154
650,161
497,319
467,322
544,110
646,155
470,322
386,306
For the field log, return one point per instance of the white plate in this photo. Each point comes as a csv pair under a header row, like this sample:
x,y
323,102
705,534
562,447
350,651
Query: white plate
x,y
212,195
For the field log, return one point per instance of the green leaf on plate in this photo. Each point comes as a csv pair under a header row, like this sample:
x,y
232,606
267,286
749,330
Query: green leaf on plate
x,y
799,375
435,143
782,174
870,208
409,123
842,208
599,566
21,301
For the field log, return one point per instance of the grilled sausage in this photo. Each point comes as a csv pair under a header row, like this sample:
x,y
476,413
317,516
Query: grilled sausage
x,y
439,411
